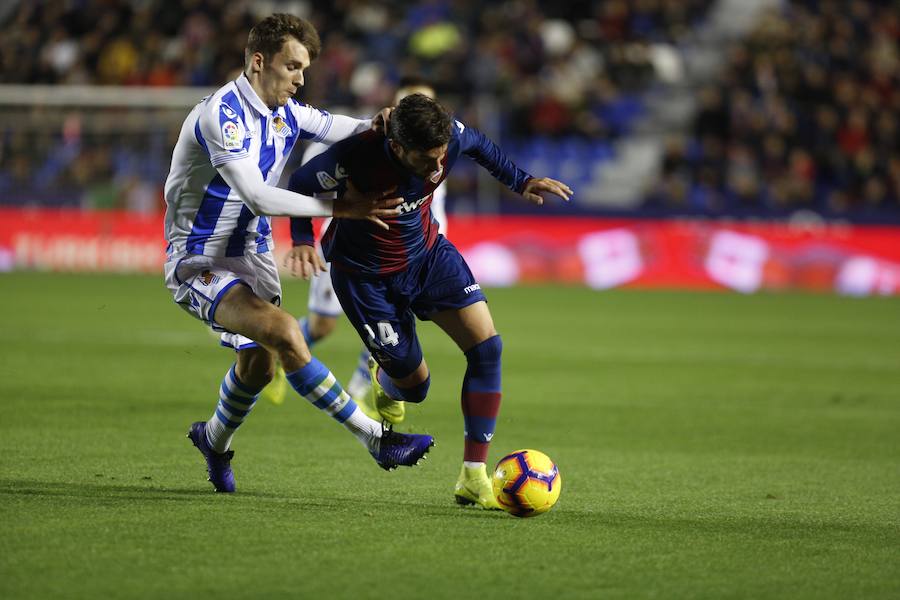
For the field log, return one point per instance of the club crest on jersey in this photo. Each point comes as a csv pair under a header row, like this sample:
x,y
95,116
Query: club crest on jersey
x,y
232,135
228,112
280,127
208,277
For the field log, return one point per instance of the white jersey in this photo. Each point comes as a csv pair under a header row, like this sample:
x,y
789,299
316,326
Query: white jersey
x,y
204,215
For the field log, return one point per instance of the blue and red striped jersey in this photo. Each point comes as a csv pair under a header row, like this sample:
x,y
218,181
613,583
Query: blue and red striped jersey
x,y
366,159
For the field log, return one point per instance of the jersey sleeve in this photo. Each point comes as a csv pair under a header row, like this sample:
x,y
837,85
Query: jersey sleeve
x,y
221,130
322,126
322,177
486,153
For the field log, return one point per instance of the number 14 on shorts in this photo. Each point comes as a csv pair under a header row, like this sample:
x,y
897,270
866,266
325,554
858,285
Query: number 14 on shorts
x,y
386,335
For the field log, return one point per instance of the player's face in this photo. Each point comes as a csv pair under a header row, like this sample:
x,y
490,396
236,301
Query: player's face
x,y
424,164
283,75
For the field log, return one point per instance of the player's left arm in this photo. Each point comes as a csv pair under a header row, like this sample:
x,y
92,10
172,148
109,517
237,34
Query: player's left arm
x,y
485,152
320,178
327,129
303,260
321,126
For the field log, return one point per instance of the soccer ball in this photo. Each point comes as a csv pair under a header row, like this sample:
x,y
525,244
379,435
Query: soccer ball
x,y
526,483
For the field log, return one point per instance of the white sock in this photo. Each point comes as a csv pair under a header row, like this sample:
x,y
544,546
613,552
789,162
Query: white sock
x,y
366,430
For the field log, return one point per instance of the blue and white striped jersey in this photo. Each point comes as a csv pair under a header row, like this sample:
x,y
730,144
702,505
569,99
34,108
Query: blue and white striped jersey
x,y
204,215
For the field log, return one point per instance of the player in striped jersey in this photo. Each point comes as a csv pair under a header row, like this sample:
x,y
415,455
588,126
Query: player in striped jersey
x,y
323,306
220,193
385,279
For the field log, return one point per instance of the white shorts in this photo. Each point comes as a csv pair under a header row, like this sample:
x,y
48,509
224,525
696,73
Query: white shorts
x,y
198,283
322,299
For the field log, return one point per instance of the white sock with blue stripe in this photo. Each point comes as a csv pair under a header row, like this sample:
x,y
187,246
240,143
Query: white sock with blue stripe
x,y
236,400
316,383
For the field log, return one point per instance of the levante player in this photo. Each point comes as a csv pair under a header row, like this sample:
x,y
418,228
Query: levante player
x,y
384,279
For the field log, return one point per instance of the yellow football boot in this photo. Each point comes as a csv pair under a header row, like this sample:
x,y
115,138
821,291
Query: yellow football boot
x,y
474,487
392,411
366,403
276,391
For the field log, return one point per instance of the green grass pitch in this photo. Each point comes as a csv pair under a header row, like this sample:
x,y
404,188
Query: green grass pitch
x,y
711,446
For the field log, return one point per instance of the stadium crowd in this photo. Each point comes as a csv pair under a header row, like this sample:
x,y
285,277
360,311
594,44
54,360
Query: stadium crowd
x,y
558,69
560,66
804,116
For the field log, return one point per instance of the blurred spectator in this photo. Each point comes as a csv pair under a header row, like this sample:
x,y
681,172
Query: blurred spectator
x,y
570,73
804,115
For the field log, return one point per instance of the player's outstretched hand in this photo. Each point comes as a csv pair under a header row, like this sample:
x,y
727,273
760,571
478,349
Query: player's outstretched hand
x,y
380,121
357,205
303,261
534,187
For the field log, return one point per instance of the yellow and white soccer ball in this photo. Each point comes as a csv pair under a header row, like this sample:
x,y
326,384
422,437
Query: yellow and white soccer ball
x,y
526,483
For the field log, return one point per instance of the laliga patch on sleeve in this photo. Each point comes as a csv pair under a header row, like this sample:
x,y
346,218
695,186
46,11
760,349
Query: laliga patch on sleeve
x,y
232,135
326,181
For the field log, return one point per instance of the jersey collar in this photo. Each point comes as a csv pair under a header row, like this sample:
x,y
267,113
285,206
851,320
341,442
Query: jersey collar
x,y
247,91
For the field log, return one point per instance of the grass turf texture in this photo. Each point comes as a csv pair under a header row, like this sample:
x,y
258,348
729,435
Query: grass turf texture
x,y
711,446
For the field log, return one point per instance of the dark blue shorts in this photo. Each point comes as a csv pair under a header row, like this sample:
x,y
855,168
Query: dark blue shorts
x,y
383,309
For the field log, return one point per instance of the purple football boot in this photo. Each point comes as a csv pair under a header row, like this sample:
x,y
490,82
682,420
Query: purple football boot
x,y
401,449
217,465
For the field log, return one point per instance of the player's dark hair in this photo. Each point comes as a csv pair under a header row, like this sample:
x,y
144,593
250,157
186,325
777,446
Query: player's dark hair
x,y
419,123
268,36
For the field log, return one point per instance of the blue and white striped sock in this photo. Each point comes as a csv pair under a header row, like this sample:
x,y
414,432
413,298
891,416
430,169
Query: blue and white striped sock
x,y
362,365
360,380
303,322
236,399
316,383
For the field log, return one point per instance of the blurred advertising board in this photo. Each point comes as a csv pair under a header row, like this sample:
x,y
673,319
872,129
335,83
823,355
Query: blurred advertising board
x,y
509,250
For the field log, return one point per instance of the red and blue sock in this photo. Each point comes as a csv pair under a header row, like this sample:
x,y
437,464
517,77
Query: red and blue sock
x,y
481,398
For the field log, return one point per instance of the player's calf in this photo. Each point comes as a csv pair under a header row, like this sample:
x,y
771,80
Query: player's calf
x,y
481,398
255,367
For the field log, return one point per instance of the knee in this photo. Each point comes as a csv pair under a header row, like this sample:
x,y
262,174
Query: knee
x,y
488,351
286,339
417,393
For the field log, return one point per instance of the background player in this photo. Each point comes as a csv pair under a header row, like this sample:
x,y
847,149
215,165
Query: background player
x,y
323,306
230,153
385,280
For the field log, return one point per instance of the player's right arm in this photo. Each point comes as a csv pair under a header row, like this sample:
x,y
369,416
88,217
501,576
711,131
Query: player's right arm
x,y
324,176
222,134
245,178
